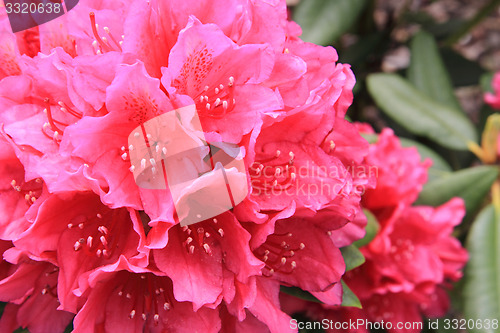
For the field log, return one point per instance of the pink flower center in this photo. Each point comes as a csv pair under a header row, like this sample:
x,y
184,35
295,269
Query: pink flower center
x,y
266,175
202,237
53,129
100,241
30,190
216,101
50,279
104,44
148,296
31,38
278,252
403,249
153,152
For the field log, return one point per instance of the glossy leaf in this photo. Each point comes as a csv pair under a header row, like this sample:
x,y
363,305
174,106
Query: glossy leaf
x,y
299,293
372,227
486,80
366,46
371,138
348,297
352,257
462,71
418,113
472,184
323,21
439,164
482,277
439,167
428,73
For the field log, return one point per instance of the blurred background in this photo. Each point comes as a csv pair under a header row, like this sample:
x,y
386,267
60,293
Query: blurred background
x,y
375,36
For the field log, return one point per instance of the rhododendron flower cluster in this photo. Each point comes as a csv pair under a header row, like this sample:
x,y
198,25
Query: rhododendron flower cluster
x,y
82,241
413,258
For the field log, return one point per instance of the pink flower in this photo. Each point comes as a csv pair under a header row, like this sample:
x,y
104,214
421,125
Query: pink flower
x,y
285,171
131,99
207,259
131,299
325,78
295,250
493,99
9,51
17,194
410,264
400,174
413,257
37,110
409,267
257,22
84,234
413,254
222,79
31,289
255,308
64,32
142,300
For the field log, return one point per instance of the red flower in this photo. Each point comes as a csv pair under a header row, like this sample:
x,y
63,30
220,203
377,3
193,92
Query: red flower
x,y
30,287
400,174
493,99
131,299
84,234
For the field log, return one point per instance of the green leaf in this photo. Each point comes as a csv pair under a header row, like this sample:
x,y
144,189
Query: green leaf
x,y
486,80
299,293
323,21
372,227
444,29
428,23
421,18
462,71
482,275
352,257
418,113
366,46
428,73
425,152
348,297
69,328
371,138
471,184
439,168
